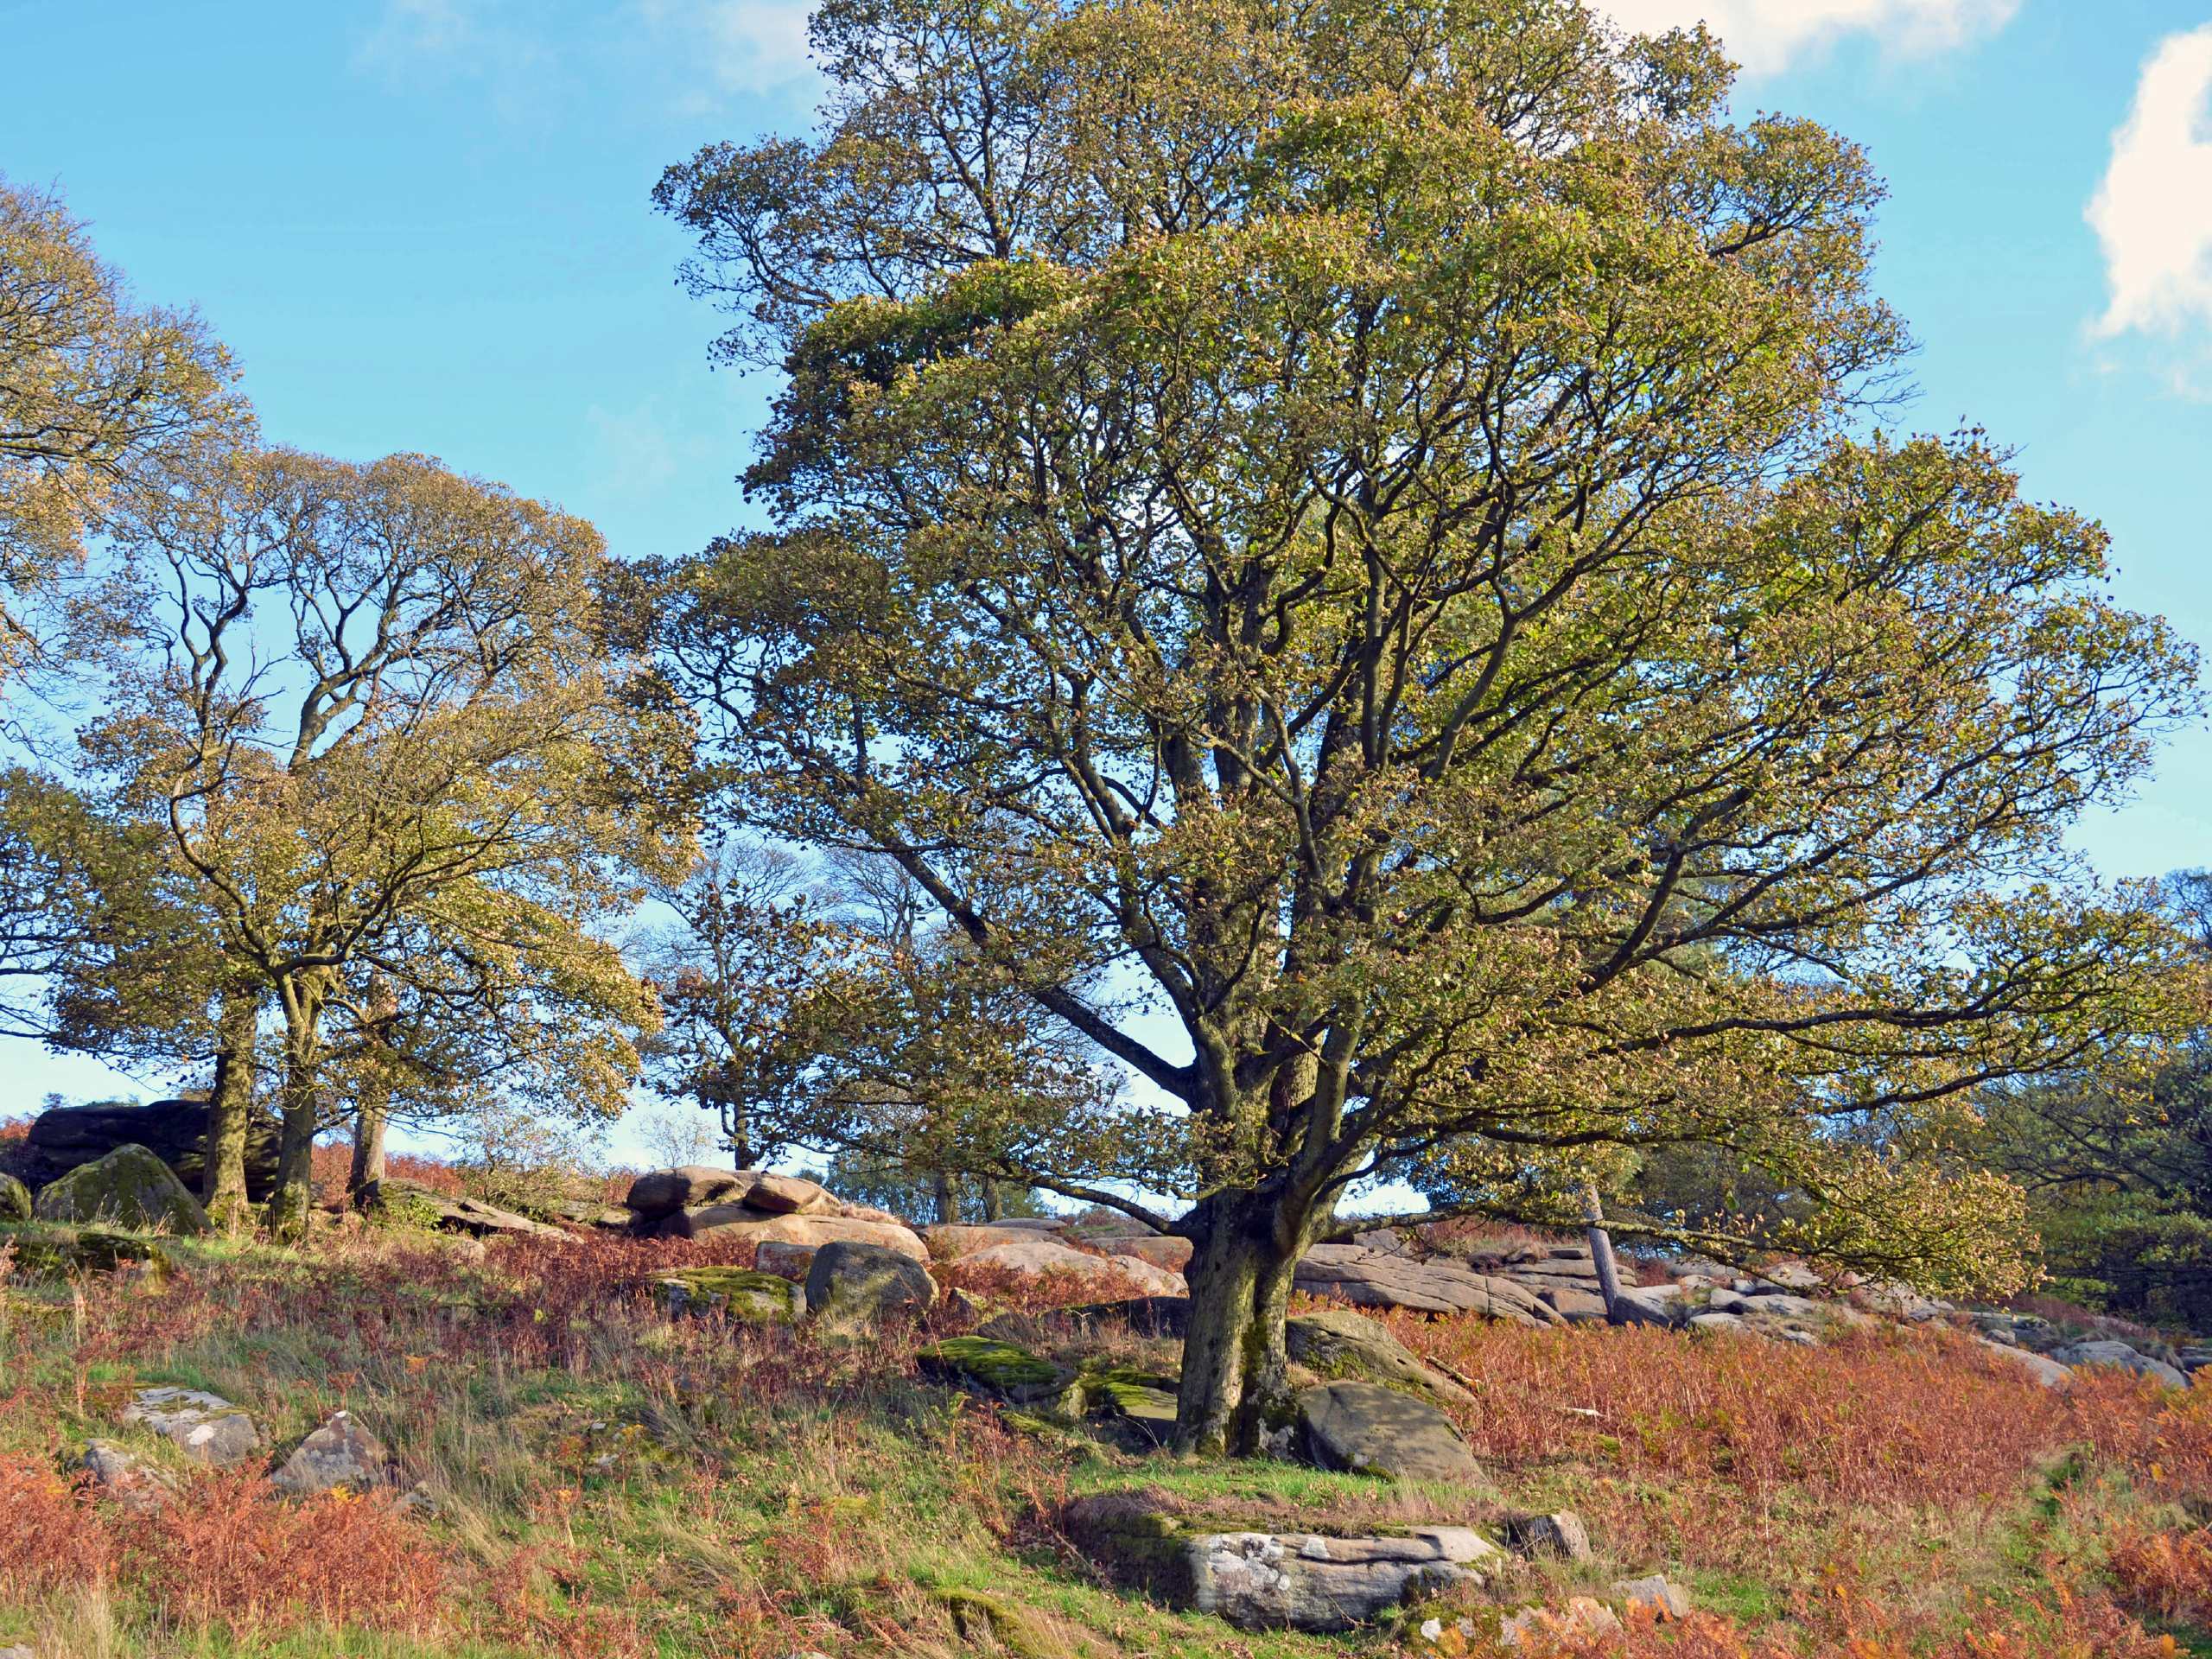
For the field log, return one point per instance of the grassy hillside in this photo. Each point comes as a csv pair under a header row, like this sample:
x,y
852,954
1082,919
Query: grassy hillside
x,y
609,1481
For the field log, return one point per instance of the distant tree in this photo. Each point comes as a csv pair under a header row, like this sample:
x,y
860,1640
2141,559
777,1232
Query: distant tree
x,y
2116,1158
378,715
1355,533
95,390
727,975
677,1134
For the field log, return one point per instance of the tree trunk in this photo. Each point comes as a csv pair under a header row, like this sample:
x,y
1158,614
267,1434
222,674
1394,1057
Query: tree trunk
x,y
289,1206
230,1111
1601,1247
1235,1368
948,1200
366,1176
994,1200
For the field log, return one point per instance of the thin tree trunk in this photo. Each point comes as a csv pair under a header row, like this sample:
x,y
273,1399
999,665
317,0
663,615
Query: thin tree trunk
x,y
1601,1247
1236,1367
947,1201
364,1179
994,1200
230,1111
289,1206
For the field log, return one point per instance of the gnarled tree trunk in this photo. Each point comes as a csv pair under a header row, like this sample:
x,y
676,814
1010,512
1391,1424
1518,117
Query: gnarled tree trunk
x,y
1236,1368
230,1111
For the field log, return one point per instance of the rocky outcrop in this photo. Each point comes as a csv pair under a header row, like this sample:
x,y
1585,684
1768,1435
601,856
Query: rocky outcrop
x,y
130,1188
176,1131
695,1202
116,1473
1371,1429
1271,1580
1336,1343
990,1366
206,1427
449,1213
1371,1278
851,1286
1039,1257
341,1455
2111,1352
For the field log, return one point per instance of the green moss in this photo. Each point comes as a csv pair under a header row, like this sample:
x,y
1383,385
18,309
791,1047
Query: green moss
x,y
983,1361
57,1251
740,1293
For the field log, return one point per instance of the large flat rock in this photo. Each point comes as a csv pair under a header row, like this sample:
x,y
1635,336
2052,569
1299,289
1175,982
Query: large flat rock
x,y
1366,1277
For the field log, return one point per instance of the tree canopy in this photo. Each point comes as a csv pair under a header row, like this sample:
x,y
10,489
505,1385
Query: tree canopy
x,y
1362,536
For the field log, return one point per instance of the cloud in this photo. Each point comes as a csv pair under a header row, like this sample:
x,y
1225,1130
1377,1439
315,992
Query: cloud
x,y
2153,209
1766,35
469,39
747,47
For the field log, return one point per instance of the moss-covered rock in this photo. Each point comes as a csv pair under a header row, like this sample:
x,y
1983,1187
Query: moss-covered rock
x,y
131,1188
58,1252
1337,1343
14,1200
740,1293
1004,1368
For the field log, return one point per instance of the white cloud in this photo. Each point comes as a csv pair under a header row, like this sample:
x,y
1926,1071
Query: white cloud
x,y
748,46
475,39
1766,35
2153,211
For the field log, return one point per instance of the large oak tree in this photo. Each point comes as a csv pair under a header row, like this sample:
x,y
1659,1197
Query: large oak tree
x,y
1356,536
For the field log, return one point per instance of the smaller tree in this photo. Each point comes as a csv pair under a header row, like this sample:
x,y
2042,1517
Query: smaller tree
x,y
728,976
379,714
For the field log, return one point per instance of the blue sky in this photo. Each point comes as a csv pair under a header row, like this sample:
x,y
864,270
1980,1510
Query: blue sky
x,y
424,224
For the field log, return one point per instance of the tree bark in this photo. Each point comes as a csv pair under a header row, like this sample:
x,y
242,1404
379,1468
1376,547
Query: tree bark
x,y
230,1111
1236,1367
994,1200
363,1180
948,1200
289,1206
1601,1247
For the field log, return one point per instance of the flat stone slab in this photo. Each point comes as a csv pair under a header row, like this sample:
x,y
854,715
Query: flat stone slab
x,y
1365,1277
205,1427
1303,1581
1369,1428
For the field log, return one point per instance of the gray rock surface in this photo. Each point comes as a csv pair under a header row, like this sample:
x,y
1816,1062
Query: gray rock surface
x,y
2044,1368
1367,1278
123,1475
851,1284
1338,1343
1368,1429
2110,1351
339,1454
130,1188
1265,1581
205,1427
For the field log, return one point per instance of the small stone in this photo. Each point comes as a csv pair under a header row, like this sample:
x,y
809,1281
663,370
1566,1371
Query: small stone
x,y
205,1427
341,1453
1581,1619
1559,1535
125,1477
1666,1598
